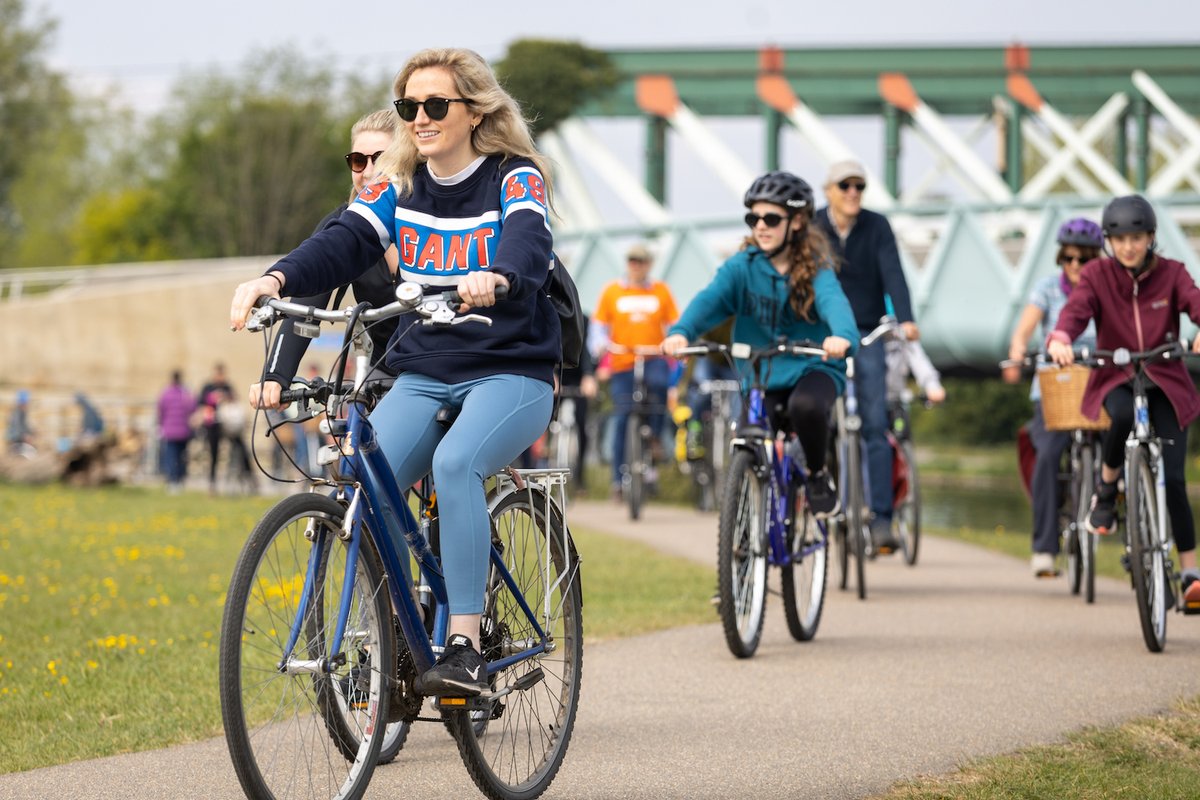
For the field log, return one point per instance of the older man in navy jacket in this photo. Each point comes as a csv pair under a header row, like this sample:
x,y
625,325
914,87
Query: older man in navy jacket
x,y
869,272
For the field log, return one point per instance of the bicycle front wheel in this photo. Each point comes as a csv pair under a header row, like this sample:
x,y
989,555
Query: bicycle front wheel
x,y
741,555
309,723
1089,462
908,511
513,749
857,531
803,576
635,475
1147,558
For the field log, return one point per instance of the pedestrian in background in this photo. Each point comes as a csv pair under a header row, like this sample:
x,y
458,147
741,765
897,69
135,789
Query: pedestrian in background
x,y
175,408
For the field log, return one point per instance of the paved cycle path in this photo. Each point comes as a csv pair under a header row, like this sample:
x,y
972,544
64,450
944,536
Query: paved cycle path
x,y
963,656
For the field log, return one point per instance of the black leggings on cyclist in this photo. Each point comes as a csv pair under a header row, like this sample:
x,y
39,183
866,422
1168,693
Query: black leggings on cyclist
x,y
806,406
1119,404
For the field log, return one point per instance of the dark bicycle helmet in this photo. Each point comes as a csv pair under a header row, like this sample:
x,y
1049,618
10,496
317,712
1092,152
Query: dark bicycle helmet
x,y
781,188
1128,214
1080,232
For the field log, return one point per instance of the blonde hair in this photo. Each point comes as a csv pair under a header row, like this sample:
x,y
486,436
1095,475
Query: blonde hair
x,y
502,131
808,251
382,121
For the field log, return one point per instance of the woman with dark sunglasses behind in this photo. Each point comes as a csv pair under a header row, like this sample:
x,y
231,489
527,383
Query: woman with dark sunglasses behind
x,y
465,199
781,285
1079,241
369,137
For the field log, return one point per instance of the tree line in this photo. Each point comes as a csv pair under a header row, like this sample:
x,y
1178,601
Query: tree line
x,y
237,163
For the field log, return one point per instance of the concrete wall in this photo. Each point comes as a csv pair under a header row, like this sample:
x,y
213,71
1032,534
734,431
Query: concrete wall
x,y
120,343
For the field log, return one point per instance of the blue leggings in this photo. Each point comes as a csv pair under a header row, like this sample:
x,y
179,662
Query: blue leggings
x,y
498,417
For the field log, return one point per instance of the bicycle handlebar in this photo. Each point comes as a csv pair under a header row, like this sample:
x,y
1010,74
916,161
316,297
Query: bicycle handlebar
x,y
803,347
436,309
1124,357
887,326
1121,357
635,350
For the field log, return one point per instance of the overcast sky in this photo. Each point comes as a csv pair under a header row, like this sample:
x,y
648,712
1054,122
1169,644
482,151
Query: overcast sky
x,y
141,46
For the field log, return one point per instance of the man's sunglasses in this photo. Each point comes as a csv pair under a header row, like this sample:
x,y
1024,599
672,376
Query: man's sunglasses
x,y
436,108
770,219
846,186
358,161
1072,260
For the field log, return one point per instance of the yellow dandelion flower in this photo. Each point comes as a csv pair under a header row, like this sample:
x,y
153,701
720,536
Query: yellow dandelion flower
x,y
63,680
92,664
52,666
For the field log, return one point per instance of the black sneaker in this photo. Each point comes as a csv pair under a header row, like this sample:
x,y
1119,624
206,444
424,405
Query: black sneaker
x,y
356,687
459,672
1102,518
1191,592
883,542
822,494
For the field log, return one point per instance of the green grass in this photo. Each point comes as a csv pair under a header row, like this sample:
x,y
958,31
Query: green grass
x,y
1155,757
111,602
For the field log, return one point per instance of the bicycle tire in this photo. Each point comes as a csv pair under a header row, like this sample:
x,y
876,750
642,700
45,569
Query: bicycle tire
x,y
856,524
635,470
1089,462
741,555
279,727
1073,534
515,751
1146,558
908,514
803,577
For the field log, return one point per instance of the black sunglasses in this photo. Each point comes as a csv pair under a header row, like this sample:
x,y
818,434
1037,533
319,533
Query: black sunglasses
x,y
846,186
357,162
772,219
1072,260
435,107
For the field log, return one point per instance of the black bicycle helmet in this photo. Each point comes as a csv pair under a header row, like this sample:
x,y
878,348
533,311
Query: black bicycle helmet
x,y
1128,214
1080,232
781,188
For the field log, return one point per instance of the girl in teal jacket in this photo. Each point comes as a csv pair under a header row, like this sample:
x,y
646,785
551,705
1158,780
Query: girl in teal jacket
x,y
781,285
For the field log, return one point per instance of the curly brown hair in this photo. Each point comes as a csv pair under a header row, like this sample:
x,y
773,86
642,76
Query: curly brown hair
x,y
809,250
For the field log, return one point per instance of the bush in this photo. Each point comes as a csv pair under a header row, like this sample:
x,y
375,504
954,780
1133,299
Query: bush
x,y
976,411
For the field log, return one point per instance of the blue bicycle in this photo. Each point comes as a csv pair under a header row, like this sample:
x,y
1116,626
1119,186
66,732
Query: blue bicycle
x,y
765,519
330,617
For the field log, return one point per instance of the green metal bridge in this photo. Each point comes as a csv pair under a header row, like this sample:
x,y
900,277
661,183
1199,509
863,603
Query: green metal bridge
x,y
1026,137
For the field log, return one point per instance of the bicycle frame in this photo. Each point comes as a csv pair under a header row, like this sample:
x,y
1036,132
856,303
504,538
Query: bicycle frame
x,y
774,453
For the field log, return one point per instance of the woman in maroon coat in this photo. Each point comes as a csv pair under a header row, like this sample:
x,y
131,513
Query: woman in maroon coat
x,y
1136,298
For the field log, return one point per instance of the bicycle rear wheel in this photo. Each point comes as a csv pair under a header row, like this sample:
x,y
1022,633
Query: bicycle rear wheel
x,y
803,576
908,511
311,726
741,555
1147,559
635,470
513,749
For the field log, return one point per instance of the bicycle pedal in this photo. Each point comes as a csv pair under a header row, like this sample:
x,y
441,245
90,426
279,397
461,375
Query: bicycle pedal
x,y
1191,608
1048,573
481,702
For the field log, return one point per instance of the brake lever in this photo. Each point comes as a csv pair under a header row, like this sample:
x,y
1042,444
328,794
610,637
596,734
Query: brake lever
x,y
260,319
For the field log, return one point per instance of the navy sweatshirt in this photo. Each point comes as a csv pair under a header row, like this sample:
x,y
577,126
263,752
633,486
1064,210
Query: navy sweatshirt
x,y
494,217
870,267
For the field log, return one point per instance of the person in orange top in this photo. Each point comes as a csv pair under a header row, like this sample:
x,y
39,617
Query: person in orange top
x,y
632,313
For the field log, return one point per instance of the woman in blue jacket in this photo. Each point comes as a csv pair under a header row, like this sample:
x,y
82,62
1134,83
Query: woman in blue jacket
x,y
781,285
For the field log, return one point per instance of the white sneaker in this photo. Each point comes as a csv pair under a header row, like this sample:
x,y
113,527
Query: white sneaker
x,y
1043,565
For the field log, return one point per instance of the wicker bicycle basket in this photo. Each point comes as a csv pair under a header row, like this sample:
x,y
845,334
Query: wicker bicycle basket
x,y
1062,395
